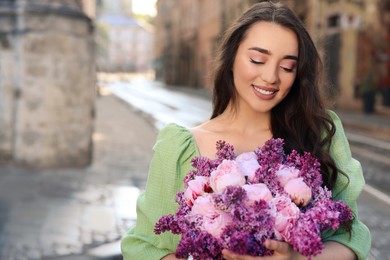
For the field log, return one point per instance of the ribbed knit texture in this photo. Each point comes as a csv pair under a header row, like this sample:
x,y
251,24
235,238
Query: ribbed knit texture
x,y
173,151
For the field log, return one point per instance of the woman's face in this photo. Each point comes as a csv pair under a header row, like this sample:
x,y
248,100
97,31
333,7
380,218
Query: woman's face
x,y
265,66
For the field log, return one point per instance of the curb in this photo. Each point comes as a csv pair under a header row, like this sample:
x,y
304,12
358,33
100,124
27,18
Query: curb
x,y
377,194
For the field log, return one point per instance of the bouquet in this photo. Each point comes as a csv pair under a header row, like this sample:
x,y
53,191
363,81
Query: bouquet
x,y
237,202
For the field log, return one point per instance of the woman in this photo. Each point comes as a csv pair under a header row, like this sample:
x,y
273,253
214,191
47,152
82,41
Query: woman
x,y
266,85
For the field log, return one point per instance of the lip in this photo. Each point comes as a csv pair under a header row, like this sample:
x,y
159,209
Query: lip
x,y
264,96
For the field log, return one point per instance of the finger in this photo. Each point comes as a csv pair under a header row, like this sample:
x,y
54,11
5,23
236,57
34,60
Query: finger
x,y
277,246
229,255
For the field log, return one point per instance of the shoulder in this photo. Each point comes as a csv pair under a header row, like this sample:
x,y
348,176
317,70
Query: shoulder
x,y
335,118
174,133
339,144
175,139
339,135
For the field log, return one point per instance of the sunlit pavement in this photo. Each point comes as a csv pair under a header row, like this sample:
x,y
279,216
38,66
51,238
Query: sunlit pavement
x,y
50,214
187,108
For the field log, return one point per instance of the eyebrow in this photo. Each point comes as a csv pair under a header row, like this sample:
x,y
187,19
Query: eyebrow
x,y
268,52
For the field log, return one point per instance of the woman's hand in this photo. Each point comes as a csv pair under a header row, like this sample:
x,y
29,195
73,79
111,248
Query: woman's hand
x,y
282,251
169,257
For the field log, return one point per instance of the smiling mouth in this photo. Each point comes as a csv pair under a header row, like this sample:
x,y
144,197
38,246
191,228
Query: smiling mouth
x,y
264,91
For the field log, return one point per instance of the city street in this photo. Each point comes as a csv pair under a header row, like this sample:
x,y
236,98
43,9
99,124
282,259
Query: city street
x,y
188,107
79,213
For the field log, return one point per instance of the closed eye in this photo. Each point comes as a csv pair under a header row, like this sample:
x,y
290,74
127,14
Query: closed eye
x,y
256,62
288,69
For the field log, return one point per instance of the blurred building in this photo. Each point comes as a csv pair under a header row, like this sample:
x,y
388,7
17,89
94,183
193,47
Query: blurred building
x,y
384,81
188,32
47,83
186,37
124,44
339,28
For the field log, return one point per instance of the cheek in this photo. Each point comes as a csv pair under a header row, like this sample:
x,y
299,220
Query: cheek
x,y
286,92
243,71
287,82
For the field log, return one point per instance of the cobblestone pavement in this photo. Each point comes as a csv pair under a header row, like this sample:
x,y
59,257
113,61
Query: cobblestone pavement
x,y
45,214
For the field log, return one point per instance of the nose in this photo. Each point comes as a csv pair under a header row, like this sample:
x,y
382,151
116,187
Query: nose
x,y
269,74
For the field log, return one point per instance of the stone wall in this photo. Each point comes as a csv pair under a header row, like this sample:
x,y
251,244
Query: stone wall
x,y
47,84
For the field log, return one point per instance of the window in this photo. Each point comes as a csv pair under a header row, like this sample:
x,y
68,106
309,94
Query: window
x,y
334,21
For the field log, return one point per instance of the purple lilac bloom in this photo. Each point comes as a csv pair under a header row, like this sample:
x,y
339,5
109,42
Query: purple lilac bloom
x,y
190,223
232,195
249,229
181,201
184,211
190,176
270,156
167,223
225,151
271,152
306,236
321,194
308,166
269,177
323,214
337,212
203,165
200,245
345,212
243,242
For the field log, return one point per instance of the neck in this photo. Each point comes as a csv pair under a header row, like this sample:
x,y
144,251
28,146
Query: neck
x,y
246,121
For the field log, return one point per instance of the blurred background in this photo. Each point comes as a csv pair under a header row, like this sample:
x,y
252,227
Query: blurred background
x,y
85,85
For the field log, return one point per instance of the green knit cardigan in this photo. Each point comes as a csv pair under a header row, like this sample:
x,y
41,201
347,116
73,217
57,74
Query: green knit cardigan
x,y
173,151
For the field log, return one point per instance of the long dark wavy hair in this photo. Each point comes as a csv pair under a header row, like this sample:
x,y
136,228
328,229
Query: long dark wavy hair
x,y
300,118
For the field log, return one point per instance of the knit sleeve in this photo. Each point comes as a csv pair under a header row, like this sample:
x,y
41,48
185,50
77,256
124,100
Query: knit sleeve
x,y
348,189
173,151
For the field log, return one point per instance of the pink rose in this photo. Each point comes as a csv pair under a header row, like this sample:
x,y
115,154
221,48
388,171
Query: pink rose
x,y
214,220
196,187
286,173
227,173
248,164
256,192
286,214
299,191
